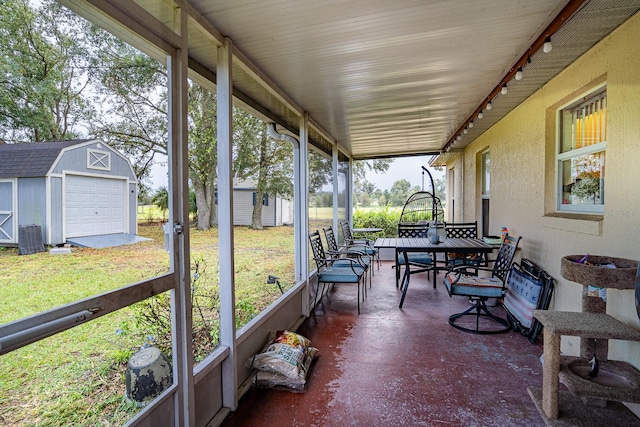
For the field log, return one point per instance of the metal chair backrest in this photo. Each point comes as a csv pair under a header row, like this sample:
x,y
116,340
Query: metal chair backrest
x,y
503,261
332,244
317,250
466,230
346,232
413,230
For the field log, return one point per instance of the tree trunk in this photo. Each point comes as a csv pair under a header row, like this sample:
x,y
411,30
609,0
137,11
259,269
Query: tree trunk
x,y
256,217
213,209
204,199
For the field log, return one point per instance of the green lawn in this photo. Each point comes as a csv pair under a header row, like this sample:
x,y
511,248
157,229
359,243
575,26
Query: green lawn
x,y
77,377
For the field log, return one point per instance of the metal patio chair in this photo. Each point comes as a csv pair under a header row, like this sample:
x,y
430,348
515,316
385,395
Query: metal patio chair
x,y
460,281
466,230
366,244
332,270
356,252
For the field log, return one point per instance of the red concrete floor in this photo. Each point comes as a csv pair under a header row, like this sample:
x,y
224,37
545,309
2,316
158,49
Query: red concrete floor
x,y
402,367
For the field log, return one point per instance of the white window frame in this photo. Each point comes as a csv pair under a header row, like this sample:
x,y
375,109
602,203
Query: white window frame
x,y
98,159
578,152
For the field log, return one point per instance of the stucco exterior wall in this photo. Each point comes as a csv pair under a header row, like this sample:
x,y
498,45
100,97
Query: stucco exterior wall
x,y
522,147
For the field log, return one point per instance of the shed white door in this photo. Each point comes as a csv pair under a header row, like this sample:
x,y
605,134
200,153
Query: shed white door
x,y
7,212
94,206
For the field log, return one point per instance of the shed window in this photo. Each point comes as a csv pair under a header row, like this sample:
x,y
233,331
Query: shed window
x,y
100,160
265,199
581,154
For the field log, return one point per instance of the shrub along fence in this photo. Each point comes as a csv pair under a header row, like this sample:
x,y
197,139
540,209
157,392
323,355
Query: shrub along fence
x,y
386,218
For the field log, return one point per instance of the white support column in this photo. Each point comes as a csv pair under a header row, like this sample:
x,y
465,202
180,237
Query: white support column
x,y
301,209
224,86
336,184
179,218
349,207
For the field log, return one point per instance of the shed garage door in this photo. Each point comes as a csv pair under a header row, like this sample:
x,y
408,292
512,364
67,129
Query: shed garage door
x,y
94,206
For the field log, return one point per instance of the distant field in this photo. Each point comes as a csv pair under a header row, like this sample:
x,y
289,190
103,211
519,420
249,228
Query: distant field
x,y
150,214
320,213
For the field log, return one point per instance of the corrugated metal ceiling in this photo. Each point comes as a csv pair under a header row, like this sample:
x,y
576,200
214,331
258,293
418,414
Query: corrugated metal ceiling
x,y
383,78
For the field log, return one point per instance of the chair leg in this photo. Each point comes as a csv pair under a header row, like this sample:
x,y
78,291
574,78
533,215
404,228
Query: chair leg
x,y
364,286
480,309
316,298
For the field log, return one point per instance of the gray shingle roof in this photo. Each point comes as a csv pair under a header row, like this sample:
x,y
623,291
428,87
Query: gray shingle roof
x,y
33,159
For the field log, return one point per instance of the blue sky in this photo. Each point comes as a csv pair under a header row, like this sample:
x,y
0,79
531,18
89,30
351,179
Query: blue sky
x,y
409,168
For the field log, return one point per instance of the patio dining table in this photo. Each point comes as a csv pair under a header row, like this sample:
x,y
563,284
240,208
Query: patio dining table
x,y
404,245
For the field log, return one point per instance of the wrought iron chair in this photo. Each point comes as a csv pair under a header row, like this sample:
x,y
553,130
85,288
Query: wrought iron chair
x,y
332,270
420,209
422,260
459,281
356,252
465,230
366,244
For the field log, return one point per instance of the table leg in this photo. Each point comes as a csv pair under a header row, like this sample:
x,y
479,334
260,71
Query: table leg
x,y
435,269
404,284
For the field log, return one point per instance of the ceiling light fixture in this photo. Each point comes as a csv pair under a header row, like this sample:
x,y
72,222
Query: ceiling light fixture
x,y
470,124
480,114
466,130
542,43
519,74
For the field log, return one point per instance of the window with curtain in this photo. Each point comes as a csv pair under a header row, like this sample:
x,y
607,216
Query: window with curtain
x,y
581,154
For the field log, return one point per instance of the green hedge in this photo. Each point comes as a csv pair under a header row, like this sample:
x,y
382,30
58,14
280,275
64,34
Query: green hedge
x,y
385,217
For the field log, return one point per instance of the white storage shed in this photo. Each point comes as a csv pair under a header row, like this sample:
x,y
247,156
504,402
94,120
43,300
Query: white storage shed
x,y
69,188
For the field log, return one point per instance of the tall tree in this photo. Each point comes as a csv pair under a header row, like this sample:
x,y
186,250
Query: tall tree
x,y
44,72
267,161
400,192
134,92
131,92
361,167
319,171
441,190
361,186
203,154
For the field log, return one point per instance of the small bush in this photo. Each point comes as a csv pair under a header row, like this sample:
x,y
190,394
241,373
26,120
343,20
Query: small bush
x,y
153,315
